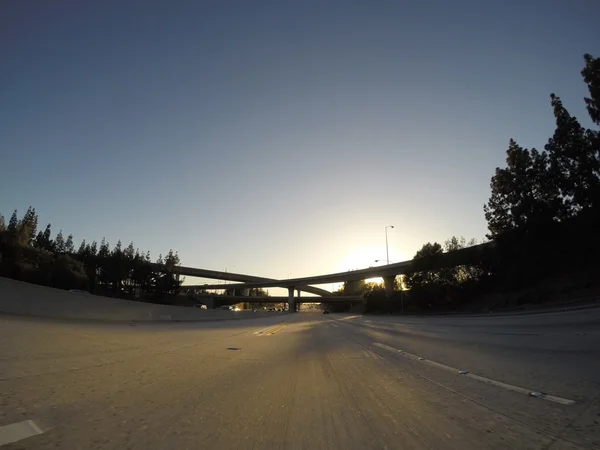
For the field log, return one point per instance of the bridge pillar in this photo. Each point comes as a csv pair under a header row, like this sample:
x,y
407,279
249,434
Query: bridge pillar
x,y
291,300
388,282
209,302
246,292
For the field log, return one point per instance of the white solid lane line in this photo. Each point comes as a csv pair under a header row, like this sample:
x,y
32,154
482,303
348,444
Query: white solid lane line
x,y
17,431
462,373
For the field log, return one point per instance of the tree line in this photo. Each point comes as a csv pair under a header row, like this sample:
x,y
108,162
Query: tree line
x,y
543,219
30,255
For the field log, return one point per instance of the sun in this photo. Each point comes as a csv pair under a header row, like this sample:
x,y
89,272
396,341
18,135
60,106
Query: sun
x,y
362,258
359,258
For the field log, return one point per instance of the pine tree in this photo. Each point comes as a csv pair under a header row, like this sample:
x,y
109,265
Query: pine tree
x,y
59,243
27,227
47,233
171,260
82,248
42,240
575,164
104,250
103,261
94,248
13,226
591,76
69,247
38,242
2,223
130,251
49,244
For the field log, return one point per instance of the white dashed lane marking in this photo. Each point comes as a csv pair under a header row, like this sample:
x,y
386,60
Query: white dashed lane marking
x,y
464,373
17,431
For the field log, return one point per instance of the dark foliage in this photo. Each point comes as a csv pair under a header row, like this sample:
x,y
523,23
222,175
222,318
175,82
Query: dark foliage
x,y
35,257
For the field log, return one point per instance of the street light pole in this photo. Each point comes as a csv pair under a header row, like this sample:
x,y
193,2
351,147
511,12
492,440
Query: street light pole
x,y
387,255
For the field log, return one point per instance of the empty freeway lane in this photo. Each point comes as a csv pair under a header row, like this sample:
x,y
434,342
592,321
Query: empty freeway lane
x,y
303,381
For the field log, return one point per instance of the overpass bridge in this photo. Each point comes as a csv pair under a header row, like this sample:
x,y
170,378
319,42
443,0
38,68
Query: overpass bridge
x,y
229,276
388,272
391,270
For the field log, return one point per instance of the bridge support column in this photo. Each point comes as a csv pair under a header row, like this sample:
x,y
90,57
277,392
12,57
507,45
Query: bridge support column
x,y
246,292
209,302
388,282
291,300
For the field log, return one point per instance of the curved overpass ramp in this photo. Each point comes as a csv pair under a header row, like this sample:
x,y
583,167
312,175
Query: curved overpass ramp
x,y
229,276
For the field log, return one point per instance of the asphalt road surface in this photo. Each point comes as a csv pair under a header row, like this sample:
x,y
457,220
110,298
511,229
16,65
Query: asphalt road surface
x,y
303,381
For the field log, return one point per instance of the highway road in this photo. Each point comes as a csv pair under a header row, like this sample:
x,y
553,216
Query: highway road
x,y
303,381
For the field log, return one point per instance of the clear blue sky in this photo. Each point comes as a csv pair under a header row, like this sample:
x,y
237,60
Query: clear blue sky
x,y
277,137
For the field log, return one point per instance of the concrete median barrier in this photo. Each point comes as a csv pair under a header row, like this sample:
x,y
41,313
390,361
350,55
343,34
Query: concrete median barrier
x,y
25,299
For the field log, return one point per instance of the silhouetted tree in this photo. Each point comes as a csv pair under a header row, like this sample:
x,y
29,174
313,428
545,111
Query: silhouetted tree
x,y
42,240
536,189
102,261
171,260
32,256
104,250
27,227
165,282
591,76
420,272
94,248
458,274
69,247
115,267
59,243
48,239
83,250
129,251
575,166
523,193
13,226
258,292
39,240
547,204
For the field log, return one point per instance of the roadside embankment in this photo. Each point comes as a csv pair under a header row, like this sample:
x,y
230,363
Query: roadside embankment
x,y
25,299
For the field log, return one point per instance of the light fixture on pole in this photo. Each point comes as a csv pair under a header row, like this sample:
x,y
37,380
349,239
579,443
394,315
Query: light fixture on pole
x,y
387,255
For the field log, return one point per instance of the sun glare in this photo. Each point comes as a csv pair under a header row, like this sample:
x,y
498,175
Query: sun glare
x,y
361,258
377,280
